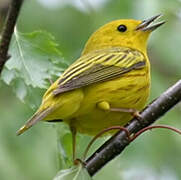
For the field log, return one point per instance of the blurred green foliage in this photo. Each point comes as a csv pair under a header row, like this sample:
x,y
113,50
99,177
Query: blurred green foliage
x,y
156,154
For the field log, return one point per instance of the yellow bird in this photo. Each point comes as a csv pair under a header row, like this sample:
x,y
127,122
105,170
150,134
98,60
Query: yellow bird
x,y
106,85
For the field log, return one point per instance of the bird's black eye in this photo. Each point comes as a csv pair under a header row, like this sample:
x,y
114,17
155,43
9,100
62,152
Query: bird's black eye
x,y
122,28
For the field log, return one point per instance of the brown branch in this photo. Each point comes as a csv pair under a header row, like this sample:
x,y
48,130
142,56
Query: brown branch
x,y
116,144
8,30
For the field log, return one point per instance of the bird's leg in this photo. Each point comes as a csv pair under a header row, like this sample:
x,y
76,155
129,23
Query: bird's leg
x,y
76,161
104,105
74,132
135,113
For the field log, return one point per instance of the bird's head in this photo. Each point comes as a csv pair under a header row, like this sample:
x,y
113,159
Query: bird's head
x,y
123,33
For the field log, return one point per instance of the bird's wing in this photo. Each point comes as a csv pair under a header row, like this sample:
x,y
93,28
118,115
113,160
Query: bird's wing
x,y
99,66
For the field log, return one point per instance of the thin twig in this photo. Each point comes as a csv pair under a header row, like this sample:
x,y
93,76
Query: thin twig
x,y
103,132
155,127
116,144
8,30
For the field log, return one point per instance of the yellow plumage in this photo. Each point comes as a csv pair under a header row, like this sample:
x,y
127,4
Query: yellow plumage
x,y
112,72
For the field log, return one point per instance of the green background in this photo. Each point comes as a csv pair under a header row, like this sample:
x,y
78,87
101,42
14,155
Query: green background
x,y
156,155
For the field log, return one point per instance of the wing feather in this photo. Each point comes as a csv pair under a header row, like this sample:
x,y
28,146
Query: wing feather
x,y
99,66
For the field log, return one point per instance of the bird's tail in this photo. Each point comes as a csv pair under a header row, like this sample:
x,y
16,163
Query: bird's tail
x,y
34,119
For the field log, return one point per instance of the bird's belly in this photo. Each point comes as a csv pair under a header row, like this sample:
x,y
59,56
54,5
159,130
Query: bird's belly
x,y
124,92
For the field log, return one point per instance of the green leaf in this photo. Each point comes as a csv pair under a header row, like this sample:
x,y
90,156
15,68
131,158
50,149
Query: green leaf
x,y
64,143
74,173
35,60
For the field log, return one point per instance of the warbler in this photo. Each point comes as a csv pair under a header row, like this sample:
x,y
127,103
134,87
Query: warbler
x,y
108,84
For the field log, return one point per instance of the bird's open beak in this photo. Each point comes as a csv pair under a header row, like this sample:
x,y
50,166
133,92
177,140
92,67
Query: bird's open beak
x,y
147,25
